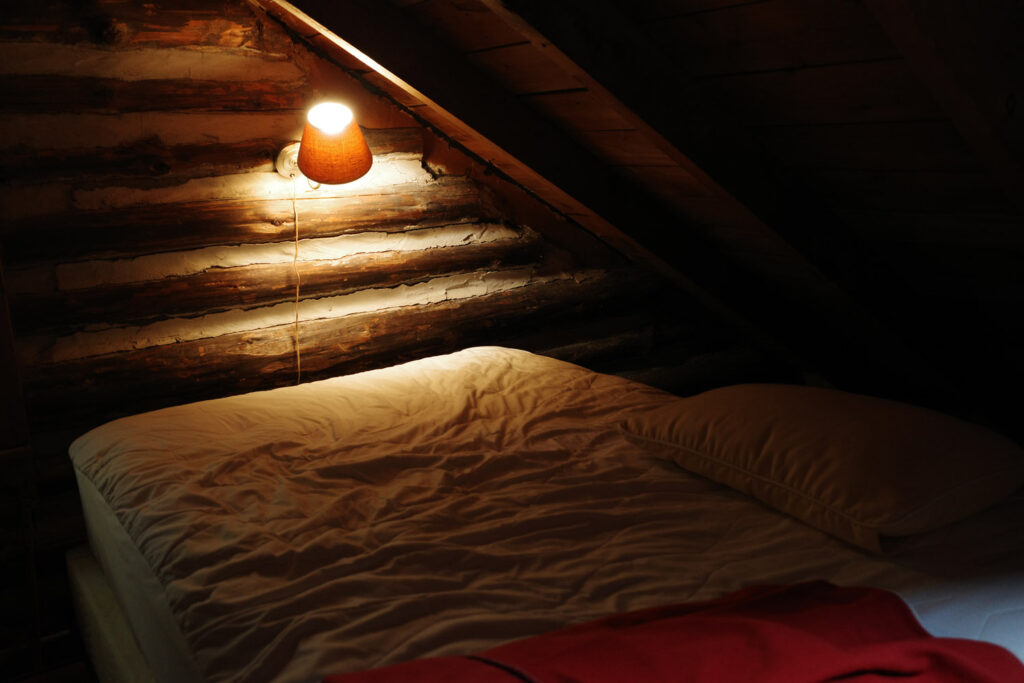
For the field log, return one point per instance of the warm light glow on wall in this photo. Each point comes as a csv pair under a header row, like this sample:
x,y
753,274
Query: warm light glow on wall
x,y
333,150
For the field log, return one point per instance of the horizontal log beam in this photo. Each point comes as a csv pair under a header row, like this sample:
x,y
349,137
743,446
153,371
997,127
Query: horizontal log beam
x,y
149,158
89,60
95,389
126,22
219,289
57,94
153,158
157,228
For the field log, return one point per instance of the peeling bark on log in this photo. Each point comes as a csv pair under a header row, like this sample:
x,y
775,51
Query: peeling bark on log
x,y
219,289
402,141
59,94
97,388
156,228
149,158
131,23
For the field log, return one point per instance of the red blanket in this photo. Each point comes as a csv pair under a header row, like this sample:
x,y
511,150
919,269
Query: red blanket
x,y
792,634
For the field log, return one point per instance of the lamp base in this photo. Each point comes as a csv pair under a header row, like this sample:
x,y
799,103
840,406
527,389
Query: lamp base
x,y
287,163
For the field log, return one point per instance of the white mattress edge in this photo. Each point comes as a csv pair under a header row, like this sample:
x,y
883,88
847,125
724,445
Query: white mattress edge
x,y
137,589
107,636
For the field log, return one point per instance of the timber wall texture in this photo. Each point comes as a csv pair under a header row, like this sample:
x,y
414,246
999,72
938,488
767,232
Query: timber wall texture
x,y
149,245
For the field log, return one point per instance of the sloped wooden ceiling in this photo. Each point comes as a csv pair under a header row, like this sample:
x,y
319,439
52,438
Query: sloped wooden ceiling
x,y
841,176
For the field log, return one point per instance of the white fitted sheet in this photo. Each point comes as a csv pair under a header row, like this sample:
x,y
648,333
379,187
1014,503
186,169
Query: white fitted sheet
x,y
449,505
137,591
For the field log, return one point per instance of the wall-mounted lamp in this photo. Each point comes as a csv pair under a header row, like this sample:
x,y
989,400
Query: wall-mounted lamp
x,y
332,151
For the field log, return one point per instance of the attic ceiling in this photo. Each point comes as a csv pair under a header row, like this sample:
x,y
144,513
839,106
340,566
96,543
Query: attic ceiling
x,y
840,177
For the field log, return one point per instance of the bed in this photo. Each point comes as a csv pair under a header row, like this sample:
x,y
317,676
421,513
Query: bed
x,y
452,504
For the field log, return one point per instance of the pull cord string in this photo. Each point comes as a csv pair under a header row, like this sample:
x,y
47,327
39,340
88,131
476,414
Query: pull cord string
x,y
295,269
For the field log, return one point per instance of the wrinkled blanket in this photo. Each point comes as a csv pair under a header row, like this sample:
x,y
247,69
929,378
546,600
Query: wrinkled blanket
x,y
790,634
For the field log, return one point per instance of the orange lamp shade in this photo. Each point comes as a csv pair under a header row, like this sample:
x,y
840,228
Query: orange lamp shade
x,y
333,150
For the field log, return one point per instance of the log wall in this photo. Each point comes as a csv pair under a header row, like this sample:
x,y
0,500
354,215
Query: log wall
x,y
150,255
150,250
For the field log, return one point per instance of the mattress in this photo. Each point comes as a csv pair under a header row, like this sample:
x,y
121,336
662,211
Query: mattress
x,y
452,504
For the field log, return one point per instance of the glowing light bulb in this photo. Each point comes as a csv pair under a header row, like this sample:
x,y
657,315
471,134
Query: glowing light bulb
x,y
330,117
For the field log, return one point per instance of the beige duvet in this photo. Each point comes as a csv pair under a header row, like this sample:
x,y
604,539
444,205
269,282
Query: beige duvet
x,y
438,507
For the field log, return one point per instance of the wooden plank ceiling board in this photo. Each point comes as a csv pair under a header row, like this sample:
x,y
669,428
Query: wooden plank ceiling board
x,y
660,9
607,51
575,110
674,184
874,136
886,145
523,70
896,166
905,174
627,147
976,82
842,93
783,34
986,231
940,191
466,23
890,160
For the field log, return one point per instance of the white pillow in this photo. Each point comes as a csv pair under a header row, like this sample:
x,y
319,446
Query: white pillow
x,y
853,466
